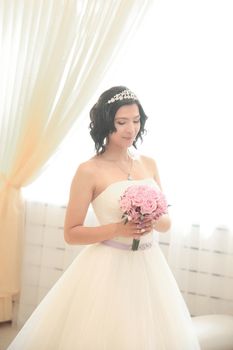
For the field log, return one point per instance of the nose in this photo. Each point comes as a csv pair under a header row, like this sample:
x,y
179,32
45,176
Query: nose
x,y
131,128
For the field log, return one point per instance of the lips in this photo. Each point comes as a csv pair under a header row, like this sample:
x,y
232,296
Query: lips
x,y
129,138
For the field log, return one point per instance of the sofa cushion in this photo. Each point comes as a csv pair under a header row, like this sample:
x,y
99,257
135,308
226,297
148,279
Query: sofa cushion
x,y
215,332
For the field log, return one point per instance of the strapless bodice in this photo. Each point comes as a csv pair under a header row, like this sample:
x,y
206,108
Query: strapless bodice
x,y
106,205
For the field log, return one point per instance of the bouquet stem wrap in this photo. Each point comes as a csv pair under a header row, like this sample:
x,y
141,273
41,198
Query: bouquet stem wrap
x,y
135,244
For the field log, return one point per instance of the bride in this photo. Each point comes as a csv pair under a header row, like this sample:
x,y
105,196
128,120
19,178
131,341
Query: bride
x,y
112,297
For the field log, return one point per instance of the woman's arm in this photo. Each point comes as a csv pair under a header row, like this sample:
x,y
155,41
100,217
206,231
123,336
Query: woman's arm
x,y
81,194
163,224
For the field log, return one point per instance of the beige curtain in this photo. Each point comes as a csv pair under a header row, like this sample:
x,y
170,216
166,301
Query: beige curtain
x,y
53,54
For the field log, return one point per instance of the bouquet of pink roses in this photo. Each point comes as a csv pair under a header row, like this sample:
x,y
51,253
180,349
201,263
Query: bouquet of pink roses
x,y
142,201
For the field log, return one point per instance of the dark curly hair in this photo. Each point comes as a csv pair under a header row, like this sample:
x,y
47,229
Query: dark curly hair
x,y
103,113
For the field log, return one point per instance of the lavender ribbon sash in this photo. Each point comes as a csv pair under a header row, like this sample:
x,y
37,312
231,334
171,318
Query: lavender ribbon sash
x,y
124,246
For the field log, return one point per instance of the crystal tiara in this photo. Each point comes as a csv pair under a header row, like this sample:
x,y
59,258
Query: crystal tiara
x,y
123,95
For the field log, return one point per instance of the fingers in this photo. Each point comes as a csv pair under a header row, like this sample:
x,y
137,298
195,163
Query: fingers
x,y
142,231
146,219
148,224
137,230
145,227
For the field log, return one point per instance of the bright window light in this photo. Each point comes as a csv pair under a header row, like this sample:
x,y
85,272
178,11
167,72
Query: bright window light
x,y
180,66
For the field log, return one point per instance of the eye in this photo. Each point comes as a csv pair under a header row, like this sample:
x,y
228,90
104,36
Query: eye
x,y
120,123
137,121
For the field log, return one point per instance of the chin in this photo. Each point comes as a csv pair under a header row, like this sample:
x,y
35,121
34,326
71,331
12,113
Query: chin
x,y
130,141
129,144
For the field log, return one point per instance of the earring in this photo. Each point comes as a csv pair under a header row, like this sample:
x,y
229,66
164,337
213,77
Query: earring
x,y
105,142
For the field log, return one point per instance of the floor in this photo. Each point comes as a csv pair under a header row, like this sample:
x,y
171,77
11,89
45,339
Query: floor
x,y
7,334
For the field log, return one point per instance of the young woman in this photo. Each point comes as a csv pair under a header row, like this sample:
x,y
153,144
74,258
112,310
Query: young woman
x,y
112,297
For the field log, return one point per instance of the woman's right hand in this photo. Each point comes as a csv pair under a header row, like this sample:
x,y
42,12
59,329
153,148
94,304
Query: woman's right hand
x,y
133,229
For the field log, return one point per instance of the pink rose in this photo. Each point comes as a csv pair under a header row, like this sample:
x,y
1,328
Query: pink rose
x,y
125,203
149,206
139,199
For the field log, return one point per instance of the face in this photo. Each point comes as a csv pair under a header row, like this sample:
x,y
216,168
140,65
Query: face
x,y
127,124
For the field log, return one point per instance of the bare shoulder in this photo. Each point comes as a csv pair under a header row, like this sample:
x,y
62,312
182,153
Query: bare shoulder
x,y
150,164
81,194
85,173
87,168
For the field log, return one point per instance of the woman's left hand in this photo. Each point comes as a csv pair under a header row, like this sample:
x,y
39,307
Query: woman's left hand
x,y
144,227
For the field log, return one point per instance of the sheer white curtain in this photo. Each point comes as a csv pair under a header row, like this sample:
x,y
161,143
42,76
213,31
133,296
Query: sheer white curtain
x,y
53,55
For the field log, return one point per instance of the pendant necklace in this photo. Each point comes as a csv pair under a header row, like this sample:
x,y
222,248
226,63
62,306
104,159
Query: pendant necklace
x,y
129,176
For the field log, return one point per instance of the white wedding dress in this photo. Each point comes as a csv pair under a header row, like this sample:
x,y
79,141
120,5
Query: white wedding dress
x,y
111,298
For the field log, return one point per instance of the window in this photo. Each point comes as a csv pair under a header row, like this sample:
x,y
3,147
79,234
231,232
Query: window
x,y
180,65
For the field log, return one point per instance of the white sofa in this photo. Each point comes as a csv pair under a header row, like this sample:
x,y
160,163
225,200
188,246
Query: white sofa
x,y
215,332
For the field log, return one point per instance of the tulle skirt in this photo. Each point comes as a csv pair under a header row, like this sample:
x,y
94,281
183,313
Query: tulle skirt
x,y
111,299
